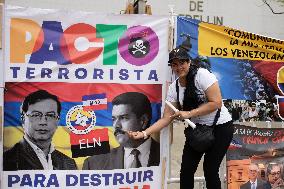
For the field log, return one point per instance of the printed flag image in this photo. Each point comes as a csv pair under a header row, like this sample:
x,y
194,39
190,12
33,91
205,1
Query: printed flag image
x,y
249,71
270,71
93,143
235,145
248,66
245,64
280,79
80,133
95,102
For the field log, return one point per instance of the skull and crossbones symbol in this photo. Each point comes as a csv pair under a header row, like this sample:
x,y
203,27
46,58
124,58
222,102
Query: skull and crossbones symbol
x,y
139,46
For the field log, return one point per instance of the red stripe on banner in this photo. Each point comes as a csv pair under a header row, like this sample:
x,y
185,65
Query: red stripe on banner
x,y
95,107
73,92
268,70
97,134
281,109
88,149
233,147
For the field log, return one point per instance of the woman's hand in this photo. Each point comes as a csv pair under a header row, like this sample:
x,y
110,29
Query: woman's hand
x,y
181,115
135,135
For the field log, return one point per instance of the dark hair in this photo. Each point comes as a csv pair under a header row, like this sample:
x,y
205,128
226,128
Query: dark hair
x,y
38,96
191,100
271,165
202,62
140,104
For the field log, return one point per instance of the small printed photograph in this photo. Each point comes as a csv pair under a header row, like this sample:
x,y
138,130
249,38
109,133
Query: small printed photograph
x,y
255,158
247,110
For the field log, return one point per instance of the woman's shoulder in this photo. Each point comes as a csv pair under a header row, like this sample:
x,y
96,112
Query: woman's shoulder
x,y
204,74
203,71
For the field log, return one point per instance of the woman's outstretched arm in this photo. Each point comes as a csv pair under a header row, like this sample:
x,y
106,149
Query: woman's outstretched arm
x,y
156,127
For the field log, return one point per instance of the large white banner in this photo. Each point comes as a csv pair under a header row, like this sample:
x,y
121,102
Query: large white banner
x,y
145,178
62,46
100,70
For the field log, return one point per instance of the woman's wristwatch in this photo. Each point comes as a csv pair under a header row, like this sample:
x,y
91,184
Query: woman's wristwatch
x,y
145,134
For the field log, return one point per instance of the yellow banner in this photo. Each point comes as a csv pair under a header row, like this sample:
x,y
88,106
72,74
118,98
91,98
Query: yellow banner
x,y
220,41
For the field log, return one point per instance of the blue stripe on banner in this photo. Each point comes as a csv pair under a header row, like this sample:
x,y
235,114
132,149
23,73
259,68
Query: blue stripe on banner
x,y
12,115
281,86
229,78
103,117
280,99
94,96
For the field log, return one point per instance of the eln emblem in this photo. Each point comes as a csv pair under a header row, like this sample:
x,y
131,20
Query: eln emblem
x,y
80,121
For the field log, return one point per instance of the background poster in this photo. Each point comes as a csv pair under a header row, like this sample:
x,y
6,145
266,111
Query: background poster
x,y
261,146
249,67
86,62
245,63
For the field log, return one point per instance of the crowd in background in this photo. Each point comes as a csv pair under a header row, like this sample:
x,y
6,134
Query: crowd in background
x,y
245,110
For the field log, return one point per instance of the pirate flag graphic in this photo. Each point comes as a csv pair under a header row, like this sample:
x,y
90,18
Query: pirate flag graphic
x,y
138,47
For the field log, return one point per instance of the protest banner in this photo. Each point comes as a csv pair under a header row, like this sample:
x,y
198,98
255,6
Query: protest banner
x,y
85,63
249,69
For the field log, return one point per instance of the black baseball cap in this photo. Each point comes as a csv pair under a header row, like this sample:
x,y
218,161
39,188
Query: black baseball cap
x,y
178,53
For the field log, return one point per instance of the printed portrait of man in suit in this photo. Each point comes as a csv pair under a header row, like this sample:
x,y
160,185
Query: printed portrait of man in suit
x,y
254,182
131,112
274,174
40,112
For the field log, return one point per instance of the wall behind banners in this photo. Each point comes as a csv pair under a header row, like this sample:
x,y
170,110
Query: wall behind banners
x,y
42,52
228,12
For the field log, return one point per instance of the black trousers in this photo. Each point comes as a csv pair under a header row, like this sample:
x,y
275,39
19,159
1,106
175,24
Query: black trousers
x,y
212,159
